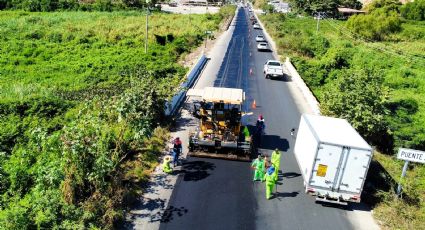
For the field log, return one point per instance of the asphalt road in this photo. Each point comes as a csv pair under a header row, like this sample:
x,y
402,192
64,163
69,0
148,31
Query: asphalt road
x,y
220,194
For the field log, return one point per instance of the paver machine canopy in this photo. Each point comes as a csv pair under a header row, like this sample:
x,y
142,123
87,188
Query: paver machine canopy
x,y
220,132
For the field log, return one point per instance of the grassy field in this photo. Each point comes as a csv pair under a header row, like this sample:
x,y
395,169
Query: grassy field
x,y
81,110
321,56
47,52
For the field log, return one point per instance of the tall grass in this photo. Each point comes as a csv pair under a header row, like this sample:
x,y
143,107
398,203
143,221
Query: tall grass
x,y
75,49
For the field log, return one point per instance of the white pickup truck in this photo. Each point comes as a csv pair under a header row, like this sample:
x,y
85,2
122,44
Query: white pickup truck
x,y
273,69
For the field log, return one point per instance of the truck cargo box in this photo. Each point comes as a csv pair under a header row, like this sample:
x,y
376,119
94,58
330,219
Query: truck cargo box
x,y
333,158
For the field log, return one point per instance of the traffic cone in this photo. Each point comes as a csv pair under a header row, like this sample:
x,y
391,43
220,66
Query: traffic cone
x,y
254,105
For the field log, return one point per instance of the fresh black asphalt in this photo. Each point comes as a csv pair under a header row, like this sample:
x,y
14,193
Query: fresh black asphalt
x,y
220,194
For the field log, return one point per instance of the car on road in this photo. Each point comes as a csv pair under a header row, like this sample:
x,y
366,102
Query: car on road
x,y
260,38
254,22
273,69
262,46
172,4
257,26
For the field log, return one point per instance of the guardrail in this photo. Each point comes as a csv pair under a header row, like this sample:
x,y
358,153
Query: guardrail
x,y
305,90
174,104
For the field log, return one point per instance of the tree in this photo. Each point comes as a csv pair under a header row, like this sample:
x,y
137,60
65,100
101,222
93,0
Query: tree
x,y
351,4
359,96
385,5
375,26
268,8
330,7
414,10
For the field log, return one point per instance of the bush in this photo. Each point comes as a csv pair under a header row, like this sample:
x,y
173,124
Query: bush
x,y
384,5
53,5
375,26
414,10
359,96
268,8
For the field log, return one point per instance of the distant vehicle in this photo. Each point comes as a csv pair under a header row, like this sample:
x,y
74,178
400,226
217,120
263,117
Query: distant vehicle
x,y
262,46
333,158
254,22
173,4
273,69
252,17
249,9
257,26
260,38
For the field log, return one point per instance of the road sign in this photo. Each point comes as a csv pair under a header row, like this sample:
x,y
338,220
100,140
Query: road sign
x,y
411,155
408,155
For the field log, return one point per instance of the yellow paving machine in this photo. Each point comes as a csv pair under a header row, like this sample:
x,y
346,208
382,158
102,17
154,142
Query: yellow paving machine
x,y
220,132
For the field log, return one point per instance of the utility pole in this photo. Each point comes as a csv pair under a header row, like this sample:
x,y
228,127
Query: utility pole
x,y
318,22
147,25
207,33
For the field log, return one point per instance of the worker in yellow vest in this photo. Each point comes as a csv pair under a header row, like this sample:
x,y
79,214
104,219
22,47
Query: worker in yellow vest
x,y
166,165
258,166
270,181
275,160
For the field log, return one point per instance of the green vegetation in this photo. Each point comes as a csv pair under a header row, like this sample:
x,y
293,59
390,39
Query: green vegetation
x,y
81,111
414,10
376,26
83,5
330,7
378,86
405,213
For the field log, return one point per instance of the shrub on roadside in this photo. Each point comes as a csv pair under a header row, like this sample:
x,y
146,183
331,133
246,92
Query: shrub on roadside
x,y
414,10
359,96
376,26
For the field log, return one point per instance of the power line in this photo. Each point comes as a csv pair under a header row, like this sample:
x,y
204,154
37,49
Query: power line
x,y
350,35
408,57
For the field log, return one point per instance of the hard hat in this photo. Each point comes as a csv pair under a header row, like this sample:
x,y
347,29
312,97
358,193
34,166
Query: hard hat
x,y
277,150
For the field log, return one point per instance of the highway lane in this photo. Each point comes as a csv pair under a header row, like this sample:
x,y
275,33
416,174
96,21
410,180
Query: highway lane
x,y
220,194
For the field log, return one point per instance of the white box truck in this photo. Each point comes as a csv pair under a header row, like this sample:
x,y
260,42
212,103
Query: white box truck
x,y
333,158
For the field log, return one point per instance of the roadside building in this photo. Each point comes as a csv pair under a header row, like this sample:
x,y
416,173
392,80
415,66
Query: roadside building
x,y
345,13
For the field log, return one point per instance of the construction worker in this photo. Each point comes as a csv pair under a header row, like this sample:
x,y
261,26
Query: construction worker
x,y
260,126
166,166
177,150
270,181
177,145
275,160
258,166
